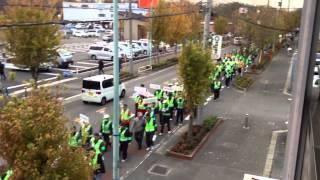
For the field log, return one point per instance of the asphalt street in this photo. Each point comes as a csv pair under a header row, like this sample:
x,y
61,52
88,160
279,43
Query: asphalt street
x,y
95,112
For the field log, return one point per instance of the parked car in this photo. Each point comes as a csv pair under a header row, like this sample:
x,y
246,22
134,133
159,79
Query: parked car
x,y
80,33
103,51
65,58
123,50
124,45
107,38
142,45
92,33
99,89
316,77
237,40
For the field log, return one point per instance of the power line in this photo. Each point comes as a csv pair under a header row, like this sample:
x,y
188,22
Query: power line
x,y
264,26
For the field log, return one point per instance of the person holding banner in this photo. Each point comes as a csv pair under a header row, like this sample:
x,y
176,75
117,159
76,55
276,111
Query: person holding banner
x,y
141,107
86,133
136,102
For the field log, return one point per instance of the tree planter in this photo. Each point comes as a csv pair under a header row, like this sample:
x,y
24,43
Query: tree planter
x,y
245,87
195,150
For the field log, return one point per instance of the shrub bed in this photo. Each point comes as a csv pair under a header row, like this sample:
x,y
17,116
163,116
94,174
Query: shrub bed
x,y
243,81
187,145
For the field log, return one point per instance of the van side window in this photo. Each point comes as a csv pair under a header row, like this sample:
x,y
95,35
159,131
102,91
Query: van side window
x,y
107,83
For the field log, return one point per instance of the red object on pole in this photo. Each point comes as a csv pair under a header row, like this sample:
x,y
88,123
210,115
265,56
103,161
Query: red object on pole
x,y
147,4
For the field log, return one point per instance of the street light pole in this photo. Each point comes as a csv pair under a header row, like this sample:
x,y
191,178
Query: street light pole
x,y
150,34
115,120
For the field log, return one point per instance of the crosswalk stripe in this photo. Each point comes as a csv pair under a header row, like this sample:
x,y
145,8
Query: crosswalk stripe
x,y
86,63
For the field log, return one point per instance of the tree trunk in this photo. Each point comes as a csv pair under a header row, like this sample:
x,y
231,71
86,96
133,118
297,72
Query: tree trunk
x,y
260,56
190,125
35,76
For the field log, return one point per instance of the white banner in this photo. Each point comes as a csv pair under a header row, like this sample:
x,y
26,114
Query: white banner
x,y
150,100
155,86
168,89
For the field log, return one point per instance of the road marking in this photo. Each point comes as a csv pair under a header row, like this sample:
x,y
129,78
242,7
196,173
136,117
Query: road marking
x,y
86,63
271,150
51,74
205,103
27,84
187,118
81,67
72,97
101,111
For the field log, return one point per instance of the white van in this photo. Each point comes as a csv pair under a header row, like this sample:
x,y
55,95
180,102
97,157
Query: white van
x,y
104,51
99,89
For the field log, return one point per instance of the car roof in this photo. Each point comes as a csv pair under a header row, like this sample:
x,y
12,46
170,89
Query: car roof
x,y
99,78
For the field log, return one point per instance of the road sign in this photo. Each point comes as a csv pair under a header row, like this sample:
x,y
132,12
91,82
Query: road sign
x,y
216,46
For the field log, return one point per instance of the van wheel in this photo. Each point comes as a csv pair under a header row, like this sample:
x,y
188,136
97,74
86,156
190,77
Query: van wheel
x,y
94,57
123,93
103,101
85,102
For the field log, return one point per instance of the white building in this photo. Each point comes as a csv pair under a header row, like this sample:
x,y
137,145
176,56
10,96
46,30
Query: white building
x,y
95,11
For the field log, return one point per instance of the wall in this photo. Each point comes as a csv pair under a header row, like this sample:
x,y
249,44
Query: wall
x,y
135,32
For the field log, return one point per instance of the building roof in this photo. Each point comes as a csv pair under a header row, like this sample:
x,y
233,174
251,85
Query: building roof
x,y
135,16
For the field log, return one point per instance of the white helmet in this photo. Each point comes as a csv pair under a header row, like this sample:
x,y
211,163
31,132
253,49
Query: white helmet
x,y
106,116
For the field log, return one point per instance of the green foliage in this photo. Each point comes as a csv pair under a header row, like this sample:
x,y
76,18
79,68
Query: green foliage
x,y
244,81
220,25
159,25
34,140
194,69
12,76
209,123
33,45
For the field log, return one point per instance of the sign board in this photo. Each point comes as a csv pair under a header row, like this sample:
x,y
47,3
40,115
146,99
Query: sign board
x,y
216,46
84,119
155,86
253,177
143,91
168,89
150,100
146,4
178,88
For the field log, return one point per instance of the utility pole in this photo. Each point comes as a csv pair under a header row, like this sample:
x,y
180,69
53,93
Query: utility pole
x,y
115,120
207,19
130,38
150,34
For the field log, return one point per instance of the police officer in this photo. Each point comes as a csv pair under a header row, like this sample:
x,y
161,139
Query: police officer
x,y
97,164
125,135
75,138
180,110
106,129
97,144
216,88
150,127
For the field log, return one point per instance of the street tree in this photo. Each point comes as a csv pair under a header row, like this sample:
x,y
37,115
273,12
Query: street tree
x,y
32,46
159,25
194,69
34,140
220,25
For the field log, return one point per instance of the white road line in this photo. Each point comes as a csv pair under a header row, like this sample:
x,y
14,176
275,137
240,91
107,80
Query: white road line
x,y
72,97
271,150
81,67
101,111
187,118
27,84
51,74
86,63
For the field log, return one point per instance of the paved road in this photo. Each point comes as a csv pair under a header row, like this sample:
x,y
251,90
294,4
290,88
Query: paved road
x,y
94,112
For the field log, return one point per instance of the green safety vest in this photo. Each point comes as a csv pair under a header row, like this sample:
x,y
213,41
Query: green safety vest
x,y
137,99
96,146
106,126
165,111
123,137
141,106
217,85
7,175
180,103
74,140
85,131
125,115
171,102
94,162
159,93
160,105
150,127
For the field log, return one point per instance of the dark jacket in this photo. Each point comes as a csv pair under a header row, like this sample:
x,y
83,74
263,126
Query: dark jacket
x,y
100,65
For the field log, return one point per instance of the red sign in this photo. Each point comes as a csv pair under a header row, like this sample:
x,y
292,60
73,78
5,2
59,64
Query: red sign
x,y
148,3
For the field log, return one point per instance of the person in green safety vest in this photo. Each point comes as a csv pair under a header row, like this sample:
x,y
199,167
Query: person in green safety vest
x,y
106,129
171,103
6,175
180,110
150,127
86,133
141,107
97,164
136,101
158,93
165,120
97,144
216,89
75,138
124,135
228,74
125,115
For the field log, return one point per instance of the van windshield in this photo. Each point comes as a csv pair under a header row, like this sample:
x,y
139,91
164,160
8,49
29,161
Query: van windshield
x,y
91,85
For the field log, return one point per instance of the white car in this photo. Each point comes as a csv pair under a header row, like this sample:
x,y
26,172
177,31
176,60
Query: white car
x,y
80,33
65,58
143,45
99,89
123,50
136,51
103,52
80,25
108,32
92,33
107,38
316,77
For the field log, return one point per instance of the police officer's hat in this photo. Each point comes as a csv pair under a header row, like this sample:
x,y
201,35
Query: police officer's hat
x,y
106,116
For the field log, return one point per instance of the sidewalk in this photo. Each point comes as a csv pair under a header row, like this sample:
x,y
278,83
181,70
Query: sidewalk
x,y
231,150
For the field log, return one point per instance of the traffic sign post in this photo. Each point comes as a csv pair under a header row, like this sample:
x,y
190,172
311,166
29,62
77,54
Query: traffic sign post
x,y
216,46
